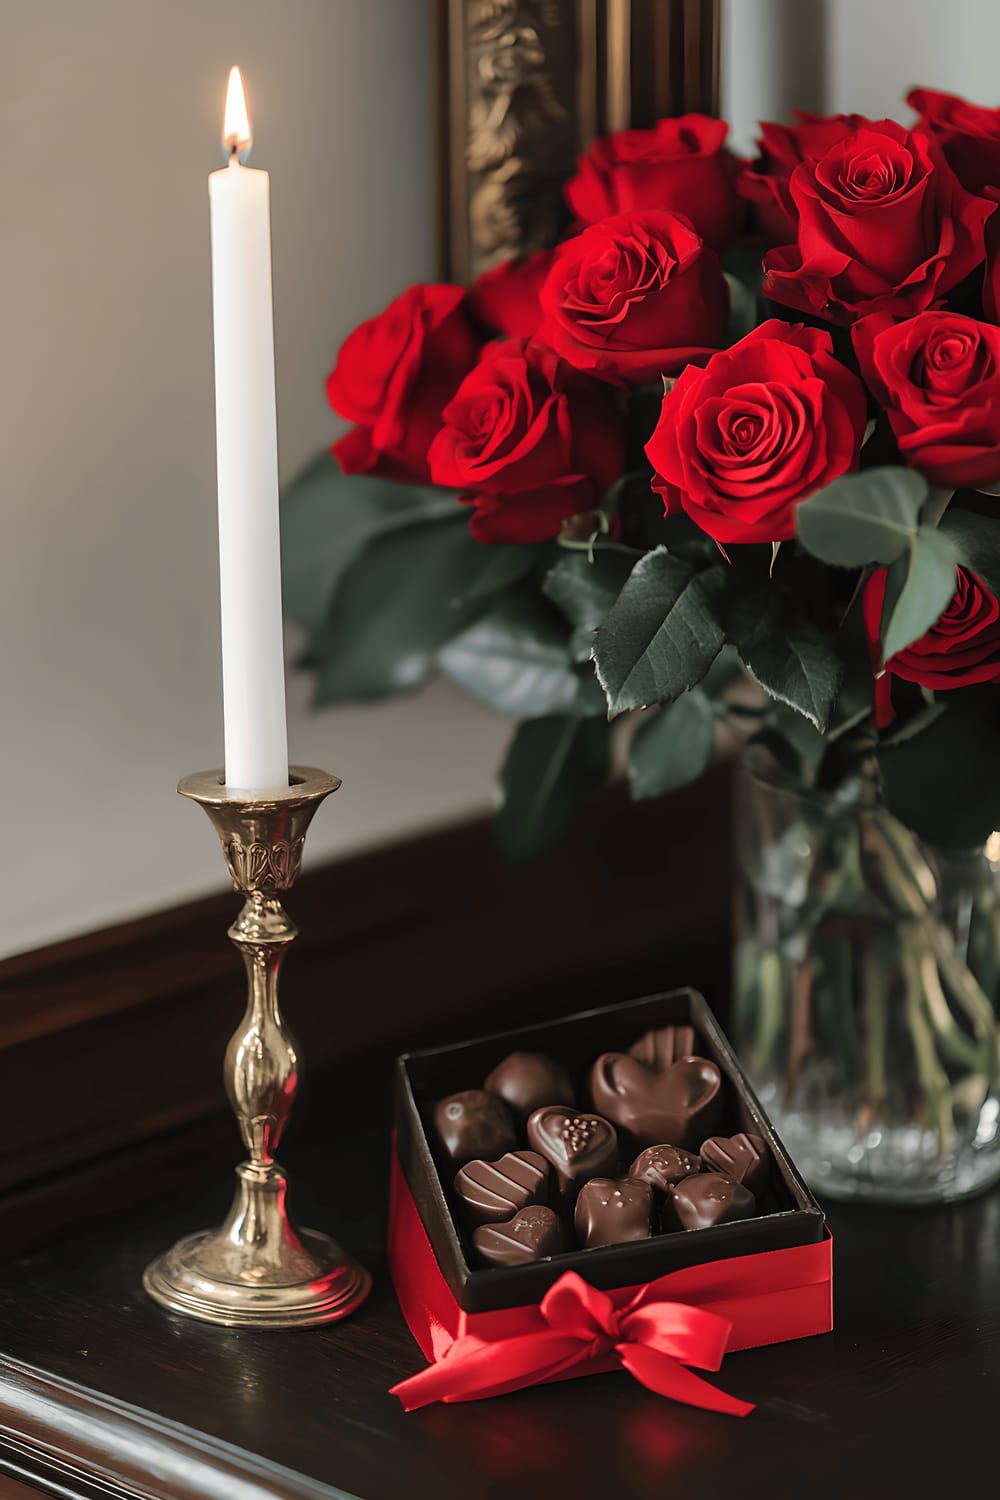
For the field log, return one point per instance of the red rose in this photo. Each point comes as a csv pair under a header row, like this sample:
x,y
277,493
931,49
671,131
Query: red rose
x,y
764,182
969,136
395,374
505,299
963,648
938,377
529,441
762,426
680,164
884,226
634,297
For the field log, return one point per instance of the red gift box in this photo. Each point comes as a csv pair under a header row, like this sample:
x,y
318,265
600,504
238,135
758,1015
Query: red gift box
x,y
657,1308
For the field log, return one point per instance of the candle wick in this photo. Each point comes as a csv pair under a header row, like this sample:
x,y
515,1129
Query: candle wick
x,y
235,152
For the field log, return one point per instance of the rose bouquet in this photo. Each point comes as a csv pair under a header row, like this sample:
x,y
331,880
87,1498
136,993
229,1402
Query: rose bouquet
x,y
743,412
740,426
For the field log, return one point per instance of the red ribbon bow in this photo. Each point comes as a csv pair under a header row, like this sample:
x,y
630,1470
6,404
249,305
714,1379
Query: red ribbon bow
x,y
651,1337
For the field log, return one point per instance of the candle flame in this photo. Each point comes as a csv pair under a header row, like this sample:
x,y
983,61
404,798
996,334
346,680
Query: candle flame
x,y
237,138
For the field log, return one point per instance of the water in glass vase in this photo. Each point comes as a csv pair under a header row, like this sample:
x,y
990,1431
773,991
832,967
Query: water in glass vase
x,y
867,970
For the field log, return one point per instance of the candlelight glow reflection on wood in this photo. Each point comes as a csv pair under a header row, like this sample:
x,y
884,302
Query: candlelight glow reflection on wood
x,y
253,669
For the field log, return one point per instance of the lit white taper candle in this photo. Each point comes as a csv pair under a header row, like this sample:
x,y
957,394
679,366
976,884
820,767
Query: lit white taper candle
x,y
253,669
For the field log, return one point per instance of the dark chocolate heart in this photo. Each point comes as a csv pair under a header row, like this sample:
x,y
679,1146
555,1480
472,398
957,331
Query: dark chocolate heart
x,y
665,1045
490,1192
578,1146
609,1212
662,1166
527,1080
679,1103
474,1123
742,1157
530,1234
706,1200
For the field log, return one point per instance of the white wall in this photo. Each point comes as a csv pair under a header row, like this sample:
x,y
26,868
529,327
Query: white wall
x,y
109,654
853,55
109,657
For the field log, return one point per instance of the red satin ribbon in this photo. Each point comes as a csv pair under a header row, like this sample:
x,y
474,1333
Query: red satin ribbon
x,y
651,1337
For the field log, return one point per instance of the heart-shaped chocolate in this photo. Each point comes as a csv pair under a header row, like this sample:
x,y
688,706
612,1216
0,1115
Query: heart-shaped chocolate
x,y
706,1200
662,1166
679,1103
665,1045
474,1123
742,1157
578,1146
491,1191
609,1212
527,1080
533,1232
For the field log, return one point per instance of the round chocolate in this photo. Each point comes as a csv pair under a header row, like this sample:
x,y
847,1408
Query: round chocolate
x,y
610,1212
490,1192
742,1157
474,1123
532,1233
578,1146
708,1199
662,1166
679,1103
527,1080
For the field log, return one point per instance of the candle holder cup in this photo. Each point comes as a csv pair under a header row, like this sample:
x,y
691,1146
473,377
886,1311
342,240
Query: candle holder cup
x,y
257,1270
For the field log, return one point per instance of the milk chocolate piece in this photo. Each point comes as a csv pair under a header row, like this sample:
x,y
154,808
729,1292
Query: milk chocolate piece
x,y
527,1080
489,1192
662,1166
609,1212
474,1123
679,1103
742,1157
533,1232
578,1146
665,1045
706,1200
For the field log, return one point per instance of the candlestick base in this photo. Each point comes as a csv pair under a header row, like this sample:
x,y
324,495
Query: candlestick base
x,y
257,1270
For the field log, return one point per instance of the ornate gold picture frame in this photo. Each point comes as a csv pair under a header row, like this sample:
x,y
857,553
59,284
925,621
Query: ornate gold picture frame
x,y
525,87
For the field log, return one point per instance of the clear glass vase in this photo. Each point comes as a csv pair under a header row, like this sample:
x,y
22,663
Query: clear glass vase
x,y
867,973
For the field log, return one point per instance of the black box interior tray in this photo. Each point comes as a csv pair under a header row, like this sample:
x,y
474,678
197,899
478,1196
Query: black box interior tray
x,y
790,1215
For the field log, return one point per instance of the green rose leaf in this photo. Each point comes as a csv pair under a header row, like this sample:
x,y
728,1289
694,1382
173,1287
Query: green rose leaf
x,y
672,747
795,661
396,606
869,517
328,517
551,764
976,539
585,592
516,659
743,311
923,588
502,566
662,634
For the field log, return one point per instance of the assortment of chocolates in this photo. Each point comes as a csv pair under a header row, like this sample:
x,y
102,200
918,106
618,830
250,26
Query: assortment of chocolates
x,y
538,1174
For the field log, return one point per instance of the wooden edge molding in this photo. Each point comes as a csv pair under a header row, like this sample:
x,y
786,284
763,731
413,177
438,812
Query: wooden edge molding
x,y
71,1441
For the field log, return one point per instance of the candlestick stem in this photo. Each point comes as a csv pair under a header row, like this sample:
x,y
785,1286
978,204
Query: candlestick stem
x,y
258,1270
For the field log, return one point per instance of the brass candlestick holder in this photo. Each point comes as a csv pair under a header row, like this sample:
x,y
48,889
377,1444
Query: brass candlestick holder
x,y
257,1270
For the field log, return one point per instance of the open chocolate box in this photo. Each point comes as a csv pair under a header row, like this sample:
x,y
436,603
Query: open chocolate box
x,y
788,1215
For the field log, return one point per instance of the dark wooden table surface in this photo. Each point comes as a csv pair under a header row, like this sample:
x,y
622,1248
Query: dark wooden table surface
x,y
101,1393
